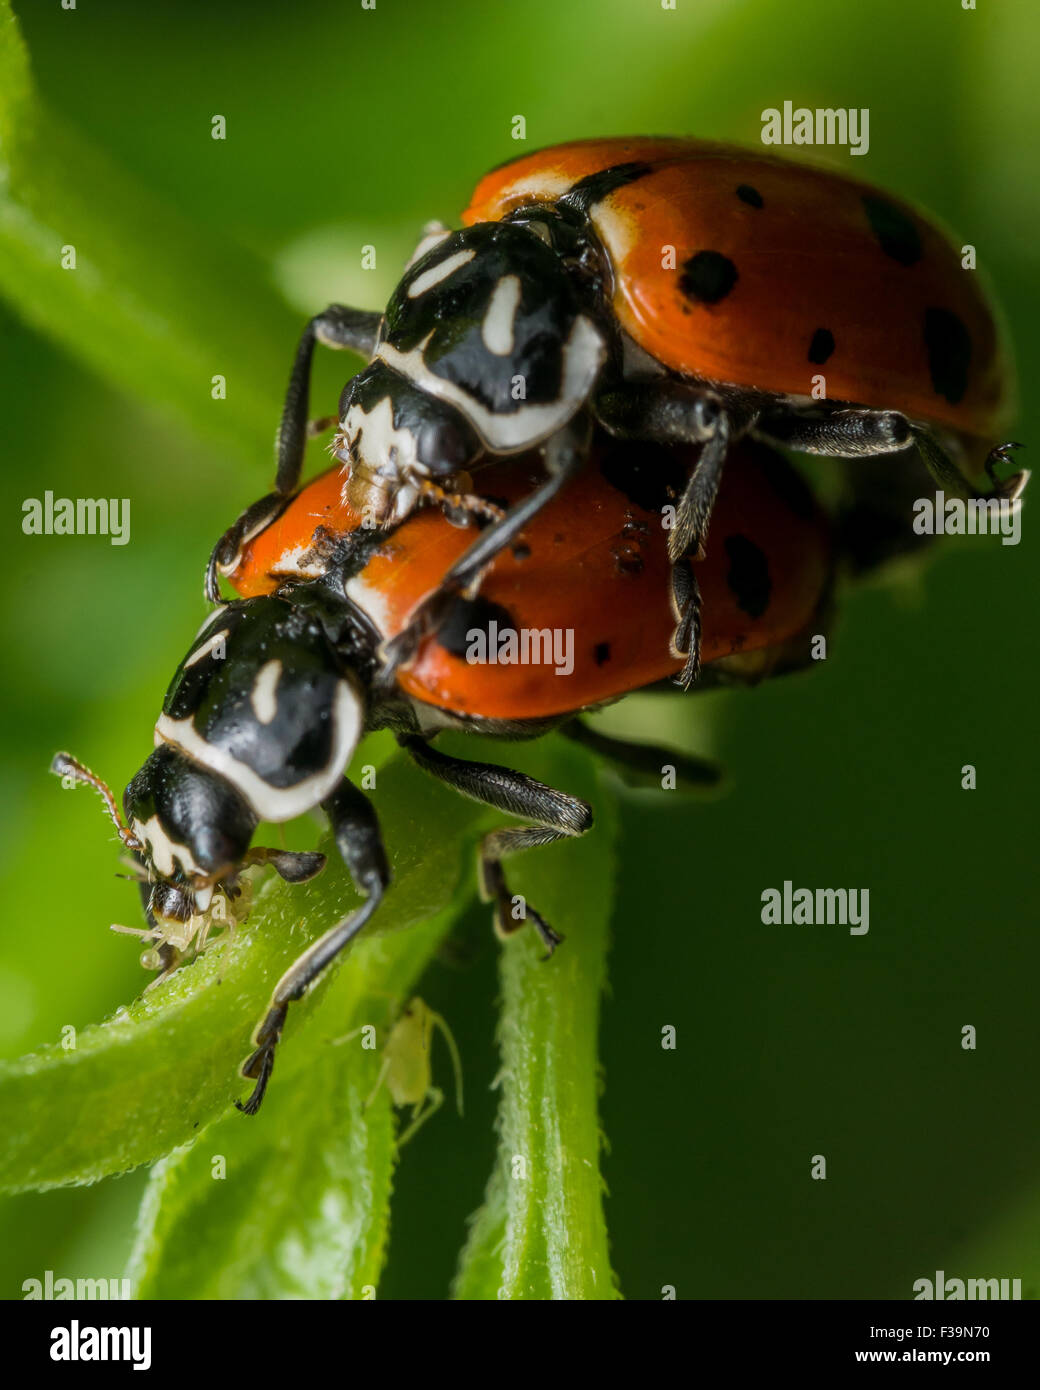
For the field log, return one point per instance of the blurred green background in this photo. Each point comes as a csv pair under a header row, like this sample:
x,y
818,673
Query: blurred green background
x,y
350,127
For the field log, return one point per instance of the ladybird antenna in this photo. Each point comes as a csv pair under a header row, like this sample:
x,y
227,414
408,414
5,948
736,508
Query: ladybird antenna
x,y
65,765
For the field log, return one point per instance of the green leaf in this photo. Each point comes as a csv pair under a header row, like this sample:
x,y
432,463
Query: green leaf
x,y
154,303
541,1233
149,1079
296,1205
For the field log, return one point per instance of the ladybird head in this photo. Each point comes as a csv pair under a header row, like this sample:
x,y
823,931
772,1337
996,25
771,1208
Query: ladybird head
x,y
259,723
393,437
193,830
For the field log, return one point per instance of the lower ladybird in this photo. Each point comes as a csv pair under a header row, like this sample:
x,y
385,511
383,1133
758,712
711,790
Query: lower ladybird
x,y
264,712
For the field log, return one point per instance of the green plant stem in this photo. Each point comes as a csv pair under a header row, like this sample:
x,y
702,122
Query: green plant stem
x,y
541,1233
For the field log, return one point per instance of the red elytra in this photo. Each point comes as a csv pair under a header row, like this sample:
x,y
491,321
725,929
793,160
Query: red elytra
x,y
749,269
592,563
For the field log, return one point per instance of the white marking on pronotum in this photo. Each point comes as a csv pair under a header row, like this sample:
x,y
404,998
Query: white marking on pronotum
x,y
262,697
164,850
211,618
497,328
529,424
439,272
209,645
433,234
545,187
269,802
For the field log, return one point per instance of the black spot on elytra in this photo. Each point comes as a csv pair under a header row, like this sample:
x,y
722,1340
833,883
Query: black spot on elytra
x,y
650,477
469,615
748,575
822,346
593,188
948,344
708,277
601,653
749,195
896,233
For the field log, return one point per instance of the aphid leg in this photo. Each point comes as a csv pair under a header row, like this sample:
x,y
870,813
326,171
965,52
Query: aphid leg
x,y
356,829
556,815
425,1110
565,455
686,605
384,1072
647,762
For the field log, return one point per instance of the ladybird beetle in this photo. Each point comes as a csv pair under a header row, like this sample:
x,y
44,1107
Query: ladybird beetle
x,y
675,290
591,562
263,714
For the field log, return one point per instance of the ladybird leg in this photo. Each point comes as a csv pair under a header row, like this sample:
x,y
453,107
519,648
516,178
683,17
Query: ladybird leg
x,y
666,411
227,552
556,815
695,506
359,841
565,455
337,327
1014,485
866,434
663,410
686,605
646,762
839,433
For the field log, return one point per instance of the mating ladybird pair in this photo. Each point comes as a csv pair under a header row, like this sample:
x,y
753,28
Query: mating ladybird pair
x,y
617,321
672,291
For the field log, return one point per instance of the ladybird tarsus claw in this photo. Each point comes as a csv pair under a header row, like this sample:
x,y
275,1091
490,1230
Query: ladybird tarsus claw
x,y
259,1065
